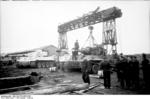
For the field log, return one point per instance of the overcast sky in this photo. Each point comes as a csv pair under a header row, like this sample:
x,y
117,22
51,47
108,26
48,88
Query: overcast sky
x,y
31,24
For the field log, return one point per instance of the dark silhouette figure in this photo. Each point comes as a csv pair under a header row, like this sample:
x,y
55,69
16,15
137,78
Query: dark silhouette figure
x,y
146,71
76,45
118,70
122,71
128,72
126,68
135,73
106,71
75,50
85,72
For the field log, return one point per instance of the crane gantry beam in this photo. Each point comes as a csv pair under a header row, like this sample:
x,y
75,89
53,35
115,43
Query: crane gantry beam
x,y
107,16
90,19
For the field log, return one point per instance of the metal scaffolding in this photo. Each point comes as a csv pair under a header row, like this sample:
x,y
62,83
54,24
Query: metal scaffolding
x,y
109,36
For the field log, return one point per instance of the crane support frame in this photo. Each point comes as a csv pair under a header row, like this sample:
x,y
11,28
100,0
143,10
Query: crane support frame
x,y
109,36
107,16
62,43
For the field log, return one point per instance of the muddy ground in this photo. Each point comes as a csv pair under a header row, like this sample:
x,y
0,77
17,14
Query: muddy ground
x,y
51,79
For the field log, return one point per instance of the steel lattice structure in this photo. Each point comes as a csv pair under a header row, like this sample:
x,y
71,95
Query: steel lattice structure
x,y
107,16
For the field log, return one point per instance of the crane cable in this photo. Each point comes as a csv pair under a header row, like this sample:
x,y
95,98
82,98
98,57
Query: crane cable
x,y
90,38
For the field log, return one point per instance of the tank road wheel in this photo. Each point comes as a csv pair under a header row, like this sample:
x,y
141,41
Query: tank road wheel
x,y
95,69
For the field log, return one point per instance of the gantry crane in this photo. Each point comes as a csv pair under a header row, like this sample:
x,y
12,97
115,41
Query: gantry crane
x,y
107,16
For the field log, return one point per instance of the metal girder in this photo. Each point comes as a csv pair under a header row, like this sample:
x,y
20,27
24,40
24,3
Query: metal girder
x,y
109,36
90,19
63,44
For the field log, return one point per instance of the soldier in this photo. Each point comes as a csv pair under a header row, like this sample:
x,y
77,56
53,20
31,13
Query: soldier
x,y
85,72
106,71
135,73
127,72
76,49
122,71
76,45
118,69
146,71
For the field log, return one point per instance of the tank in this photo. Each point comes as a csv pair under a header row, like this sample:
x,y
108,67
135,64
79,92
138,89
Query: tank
x,y
94,61
42,62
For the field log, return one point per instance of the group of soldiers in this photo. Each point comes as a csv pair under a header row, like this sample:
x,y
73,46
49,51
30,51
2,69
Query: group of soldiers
x,y
127,69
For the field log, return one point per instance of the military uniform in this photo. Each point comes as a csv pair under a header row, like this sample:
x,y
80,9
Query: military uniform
x,y
146,72
118,70
122,68
135,74
85,72
106,71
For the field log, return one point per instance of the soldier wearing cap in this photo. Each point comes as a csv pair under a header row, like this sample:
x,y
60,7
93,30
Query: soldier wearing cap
x,y
106,72
85,72
146,71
